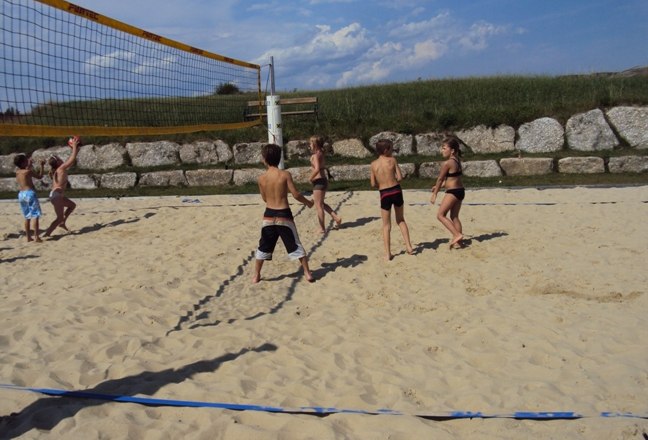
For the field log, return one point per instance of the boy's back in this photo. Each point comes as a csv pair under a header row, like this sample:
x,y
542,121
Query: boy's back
x,y
24,179
386,172
273,185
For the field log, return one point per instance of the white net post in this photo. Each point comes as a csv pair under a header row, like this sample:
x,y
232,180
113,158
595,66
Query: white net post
x,y
275,134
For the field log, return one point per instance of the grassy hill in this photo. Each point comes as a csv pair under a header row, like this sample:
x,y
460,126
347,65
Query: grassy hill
x,y
424,106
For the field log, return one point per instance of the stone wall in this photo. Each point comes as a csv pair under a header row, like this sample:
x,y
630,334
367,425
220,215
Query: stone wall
x,y
595,131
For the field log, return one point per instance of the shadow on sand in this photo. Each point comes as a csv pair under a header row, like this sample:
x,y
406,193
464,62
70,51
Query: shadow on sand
x,y
46,413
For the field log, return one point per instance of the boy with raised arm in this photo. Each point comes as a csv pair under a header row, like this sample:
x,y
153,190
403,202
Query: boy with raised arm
x,y
274,186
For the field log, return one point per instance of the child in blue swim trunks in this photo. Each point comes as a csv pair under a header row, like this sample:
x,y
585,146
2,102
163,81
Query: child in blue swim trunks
x,y
27,194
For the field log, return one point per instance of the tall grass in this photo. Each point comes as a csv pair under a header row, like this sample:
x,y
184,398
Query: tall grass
x,y
424,106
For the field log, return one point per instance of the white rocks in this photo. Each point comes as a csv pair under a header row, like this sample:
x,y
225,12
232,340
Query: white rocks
x,y
209,177
350,172
543,135
403,143
428,144
118,180
526,166
481,168
632,124
581,165
153,154
628,164
104,157
82,181
351,148
484,140
248,153
241,177
590,132
163,178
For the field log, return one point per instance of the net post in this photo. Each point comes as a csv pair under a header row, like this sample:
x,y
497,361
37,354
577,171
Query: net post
x,y
275,133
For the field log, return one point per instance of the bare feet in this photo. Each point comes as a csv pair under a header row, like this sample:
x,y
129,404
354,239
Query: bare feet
x,y
62,225
389,257
37,239
256,278
410,251
456,241
309,276
338,221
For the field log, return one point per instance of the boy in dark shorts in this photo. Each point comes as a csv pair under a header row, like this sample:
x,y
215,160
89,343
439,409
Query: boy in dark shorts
x,y
385,175
274,186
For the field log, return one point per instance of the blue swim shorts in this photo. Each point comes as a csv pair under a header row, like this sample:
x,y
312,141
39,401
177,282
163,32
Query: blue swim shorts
x,y
29,204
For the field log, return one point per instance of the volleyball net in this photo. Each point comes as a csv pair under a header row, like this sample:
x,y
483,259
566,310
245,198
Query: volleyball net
x,y
65,69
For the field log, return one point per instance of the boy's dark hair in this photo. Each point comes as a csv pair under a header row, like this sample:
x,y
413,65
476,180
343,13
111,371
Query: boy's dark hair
x,y
383,145
20,160
271,154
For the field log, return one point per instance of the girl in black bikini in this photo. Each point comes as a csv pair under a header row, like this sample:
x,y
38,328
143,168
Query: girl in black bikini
x,y
450,174
320,182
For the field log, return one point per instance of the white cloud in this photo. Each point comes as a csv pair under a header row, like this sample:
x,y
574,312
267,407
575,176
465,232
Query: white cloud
x,y
326,45
477,36
426,51
437,24
107,61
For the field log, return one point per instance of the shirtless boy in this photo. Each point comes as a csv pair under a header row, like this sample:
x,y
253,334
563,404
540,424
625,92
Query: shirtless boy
x,y
385,175
274,186
27,196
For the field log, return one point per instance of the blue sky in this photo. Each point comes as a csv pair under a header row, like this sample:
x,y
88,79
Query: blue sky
x,y
324,44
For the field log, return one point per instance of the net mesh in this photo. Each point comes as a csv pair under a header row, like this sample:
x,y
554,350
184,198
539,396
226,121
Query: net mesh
x,y
65,69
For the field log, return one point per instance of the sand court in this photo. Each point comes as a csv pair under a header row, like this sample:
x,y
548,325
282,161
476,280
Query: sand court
x,y
544,310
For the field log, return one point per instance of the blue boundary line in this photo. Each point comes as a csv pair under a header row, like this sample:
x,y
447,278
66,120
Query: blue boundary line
x,y
318,410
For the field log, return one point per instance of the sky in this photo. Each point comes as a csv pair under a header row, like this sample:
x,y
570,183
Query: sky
x,y
328,44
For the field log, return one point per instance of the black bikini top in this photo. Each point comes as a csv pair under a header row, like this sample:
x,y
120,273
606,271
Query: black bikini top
x,y
456,173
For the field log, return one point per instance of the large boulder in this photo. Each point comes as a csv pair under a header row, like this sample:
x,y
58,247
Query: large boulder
x,y
300,174
407,169
209,177
82,181
590,132
153,154
105,157
527,166
298,149
481,168
248,153
350,172
118,180
250,175
428,144
7,164
350,148
543,135
201,152
485,140
403,143
628,164
8,184
429,170
163,178
581,165
631,123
